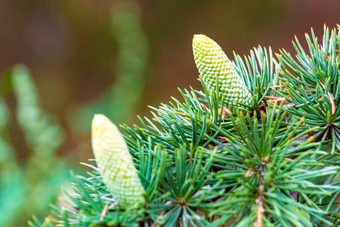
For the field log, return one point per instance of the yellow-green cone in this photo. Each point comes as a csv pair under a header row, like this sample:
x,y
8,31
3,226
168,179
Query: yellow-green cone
x,y
115,163
214,65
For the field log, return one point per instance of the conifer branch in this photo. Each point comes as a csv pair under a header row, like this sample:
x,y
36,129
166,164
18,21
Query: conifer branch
x,y
269,157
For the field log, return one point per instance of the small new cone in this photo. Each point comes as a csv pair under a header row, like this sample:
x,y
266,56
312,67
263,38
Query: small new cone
x,y
216,69
115,163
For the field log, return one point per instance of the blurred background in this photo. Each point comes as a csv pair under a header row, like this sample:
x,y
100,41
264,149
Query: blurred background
x,y
81,57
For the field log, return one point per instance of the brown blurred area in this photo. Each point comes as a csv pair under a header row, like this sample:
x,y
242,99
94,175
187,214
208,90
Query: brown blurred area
x,y
70,49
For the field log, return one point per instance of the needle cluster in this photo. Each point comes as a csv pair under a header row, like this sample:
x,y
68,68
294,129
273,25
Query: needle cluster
x,y
273,163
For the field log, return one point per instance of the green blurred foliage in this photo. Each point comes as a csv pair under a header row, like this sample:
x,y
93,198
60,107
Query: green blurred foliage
x,y
31,171
28,184
123,98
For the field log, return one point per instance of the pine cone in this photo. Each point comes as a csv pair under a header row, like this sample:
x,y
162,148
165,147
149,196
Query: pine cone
x,y
215,67
115,163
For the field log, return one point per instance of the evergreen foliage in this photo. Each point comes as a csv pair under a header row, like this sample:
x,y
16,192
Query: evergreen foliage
x,y
274,164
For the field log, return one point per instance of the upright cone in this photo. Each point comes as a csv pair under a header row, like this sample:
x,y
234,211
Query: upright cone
x,y
216,69
115,163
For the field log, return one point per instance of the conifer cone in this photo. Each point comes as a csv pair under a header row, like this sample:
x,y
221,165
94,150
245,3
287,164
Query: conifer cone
x,y
216,69
115,163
